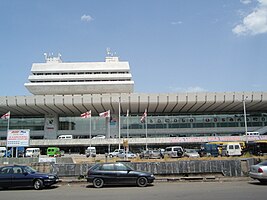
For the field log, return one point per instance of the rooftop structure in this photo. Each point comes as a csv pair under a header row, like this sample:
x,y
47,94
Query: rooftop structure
x,y
56,77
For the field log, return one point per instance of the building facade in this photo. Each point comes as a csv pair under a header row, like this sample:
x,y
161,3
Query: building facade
x,y
63,91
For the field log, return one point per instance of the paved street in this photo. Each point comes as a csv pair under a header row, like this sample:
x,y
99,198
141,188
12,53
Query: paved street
x,y
159,191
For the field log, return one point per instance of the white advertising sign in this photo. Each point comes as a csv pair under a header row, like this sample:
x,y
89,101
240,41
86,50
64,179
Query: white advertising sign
x,y
18,138
54,160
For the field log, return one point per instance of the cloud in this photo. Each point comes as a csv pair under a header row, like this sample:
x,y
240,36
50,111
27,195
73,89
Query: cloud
x,y
188,89
255,22
176,23
245,1
86,18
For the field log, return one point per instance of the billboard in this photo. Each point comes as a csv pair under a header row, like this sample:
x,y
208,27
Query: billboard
x,y
18,138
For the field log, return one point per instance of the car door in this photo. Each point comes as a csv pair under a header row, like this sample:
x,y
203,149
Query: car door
x,y
124,174
107,173
5,176
20,178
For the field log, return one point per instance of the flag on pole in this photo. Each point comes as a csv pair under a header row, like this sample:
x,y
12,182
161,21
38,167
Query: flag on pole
x,y
105,114
86,114
6,116
143,116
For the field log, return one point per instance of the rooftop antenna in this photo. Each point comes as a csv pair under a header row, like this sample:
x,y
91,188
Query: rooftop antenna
x,y
45,55
109,52
49,57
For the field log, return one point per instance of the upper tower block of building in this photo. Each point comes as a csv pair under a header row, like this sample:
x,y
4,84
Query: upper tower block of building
x,y
58,77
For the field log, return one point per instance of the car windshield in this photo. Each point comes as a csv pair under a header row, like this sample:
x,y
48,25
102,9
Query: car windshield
x,y
29,169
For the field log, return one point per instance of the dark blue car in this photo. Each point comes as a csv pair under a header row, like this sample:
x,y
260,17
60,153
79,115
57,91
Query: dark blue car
x,y
25,176
117,173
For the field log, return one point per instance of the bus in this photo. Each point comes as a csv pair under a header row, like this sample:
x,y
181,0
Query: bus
x,y
53,152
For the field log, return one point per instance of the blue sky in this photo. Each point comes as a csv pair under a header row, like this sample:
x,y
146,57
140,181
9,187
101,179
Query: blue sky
x,y
171,45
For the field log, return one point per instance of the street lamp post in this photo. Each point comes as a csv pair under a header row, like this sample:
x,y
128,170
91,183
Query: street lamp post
x,y
245,119
245,116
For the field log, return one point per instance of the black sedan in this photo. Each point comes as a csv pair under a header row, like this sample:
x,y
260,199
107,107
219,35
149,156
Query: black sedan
x,y
25,176
117,173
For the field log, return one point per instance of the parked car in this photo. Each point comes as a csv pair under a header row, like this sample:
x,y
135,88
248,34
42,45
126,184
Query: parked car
x,y
151,154
99,137
231,149
90,151
174,152
191,153
128,154
65,137
209,150
25,176
117,173
2,151
32,152
53,152
115,153
259,171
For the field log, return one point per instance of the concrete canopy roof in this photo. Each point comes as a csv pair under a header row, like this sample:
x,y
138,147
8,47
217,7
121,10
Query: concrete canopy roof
x,y
158,104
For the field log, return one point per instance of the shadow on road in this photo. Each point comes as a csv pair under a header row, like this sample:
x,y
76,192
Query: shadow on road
x,y
118,186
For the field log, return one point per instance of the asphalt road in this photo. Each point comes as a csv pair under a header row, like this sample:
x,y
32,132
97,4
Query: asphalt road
x,y
158,191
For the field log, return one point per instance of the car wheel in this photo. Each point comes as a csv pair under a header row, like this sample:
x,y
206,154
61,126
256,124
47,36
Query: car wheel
x,y
111,156
38,184
142,181
98,182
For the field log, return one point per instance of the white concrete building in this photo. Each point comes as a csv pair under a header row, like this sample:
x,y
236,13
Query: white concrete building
x,y
57,77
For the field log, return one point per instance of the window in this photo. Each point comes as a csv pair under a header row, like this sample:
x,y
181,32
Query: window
x,y
6,170
121,167
231,146
17,170
107,167
236,146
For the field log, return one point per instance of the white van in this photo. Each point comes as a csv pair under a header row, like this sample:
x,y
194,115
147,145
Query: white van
x,y
231,149
32,152
90,151
252,134
174,152
2,151
65,137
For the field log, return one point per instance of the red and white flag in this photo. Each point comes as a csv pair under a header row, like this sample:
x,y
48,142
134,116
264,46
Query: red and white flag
x,y
86,114
143,116
105,114
6,116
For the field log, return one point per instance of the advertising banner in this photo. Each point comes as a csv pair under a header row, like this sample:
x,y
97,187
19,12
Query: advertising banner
x,y
18,138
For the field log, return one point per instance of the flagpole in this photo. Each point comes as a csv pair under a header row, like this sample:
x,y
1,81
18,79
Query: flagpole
x,y
90,131
119,125
146,130
7,134
127,150
127,123
109,132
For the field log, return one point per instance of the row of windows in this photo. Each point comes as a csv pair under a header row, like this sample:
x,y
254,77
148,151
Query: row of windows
x,y
193,125
78,73
80,81
78,124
